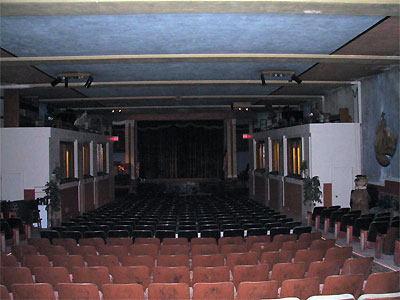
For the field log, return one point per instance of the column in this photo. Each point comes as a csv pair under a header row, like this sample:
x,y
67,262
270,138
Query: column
x,y
11,108
234,159
127,144
229,147
132,148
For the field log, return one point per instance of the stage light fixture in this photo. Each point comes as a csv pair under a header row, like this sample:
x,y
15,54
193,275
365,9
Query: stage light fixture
x,y
56,81
119,110
263,79
113,111
89,82
247,109
66,82
297,79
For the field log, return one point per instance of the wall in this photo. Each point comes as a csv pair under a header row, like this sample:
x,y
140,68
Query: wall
x,y
332,151
29,155
380,94
24,157
342,98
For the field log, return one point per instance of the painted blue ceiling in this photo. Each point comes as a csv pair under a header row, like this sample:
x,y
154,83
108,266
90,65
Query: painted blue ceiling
x,y
178,34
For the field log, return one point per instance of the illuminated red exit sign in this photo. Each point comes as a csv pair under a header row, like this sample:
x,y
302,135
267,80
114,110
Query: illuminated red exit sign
x,y
113,139
247,136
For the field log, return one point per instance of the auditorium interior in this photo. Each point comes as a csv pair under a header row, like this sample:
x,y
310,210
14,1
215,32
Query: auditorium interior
x,y
193,150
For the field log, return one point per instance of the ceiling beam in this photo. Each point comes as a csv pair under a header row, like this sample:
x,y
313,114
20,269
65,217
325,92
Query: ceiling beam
x,y
174,83
179,58
122,7
258,97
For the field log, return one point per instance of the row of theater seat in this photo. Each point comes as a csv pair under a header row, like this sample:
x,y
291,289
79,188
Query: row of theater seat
x,y
207,216
90,288
378,223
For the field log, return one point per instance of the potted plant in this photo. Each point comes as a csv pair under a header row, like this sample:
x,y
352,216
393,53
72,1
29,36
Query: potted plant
x,y
311,187
53,196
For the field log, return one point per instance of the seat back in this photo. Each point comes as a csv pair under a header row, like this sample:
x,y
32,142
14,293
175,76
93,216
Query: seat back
x,y
38,290
171,275
257,290
343,284
275,257
141,240
95,275
52,275
202,241
123,292
213,291
127,242
300,288
250,273
237,240
144,249
284,271
4,295
322,244
361,265
68,261
281,238
84,251
213,260
379,283
259,248
38,242
118,251
69,244
12,275
138,260
246,258
168,291
180,260
96,242
32,261
102,260
323,269
175,241
211,274
50,251
127,275
68,291
342,253
205,249
233,248
308,256
8,261
174,249
250,240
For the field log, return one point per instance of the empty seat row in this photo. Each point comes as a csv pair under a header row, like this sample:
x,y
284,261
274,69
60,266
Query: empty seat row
x,y
299,288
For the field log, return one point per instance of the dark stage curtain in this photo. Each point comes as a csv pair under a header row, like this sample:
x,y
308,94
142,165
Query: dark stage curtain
x,y
181,149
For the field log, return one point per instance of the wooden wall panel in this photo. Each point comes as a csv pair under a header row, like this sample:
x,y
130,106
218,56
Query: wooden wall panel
x,y
259,194
89,196
69,203
103,189
293,199
275,194
327,194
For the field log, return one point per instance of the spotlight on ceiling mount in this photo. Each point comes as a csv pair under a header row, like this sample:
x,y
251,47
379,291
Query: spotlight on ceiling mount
x,y
89,82
276,75
263,79
296,79
56,81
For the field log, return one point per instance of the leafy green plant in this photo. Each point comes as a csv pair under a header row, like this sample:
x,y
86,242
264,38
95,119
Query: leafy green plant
x,y
311,186
53,194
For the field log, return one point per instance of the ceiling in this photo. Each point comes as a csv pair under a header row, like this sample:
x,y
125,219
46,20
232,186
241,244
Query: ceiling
x,y
169,56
